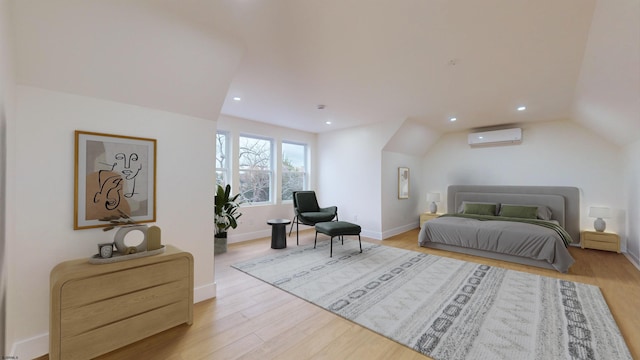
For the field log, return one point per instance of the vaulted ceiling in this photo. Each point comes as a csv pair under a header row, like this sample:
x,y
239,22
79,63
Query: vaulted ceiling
x,y
367,61
425,61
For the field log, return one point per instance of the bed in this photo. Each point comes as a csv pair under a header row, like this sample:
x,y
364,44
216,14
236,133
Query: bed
x,y
531,225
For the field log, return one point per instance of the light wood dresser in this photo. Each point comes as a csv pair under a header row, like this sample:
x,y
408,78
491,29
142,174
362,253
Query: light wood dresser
x,y
600,240
96,309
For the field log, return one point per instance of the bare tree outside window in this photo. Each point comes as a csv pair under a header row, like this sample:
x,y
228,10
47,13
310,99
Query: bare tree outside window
x,y
294,169
222,163
255,169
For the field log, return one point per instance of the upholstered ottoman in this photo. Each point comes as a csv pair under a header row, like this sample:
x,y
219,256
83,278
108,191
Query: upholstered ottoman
x,y
337,228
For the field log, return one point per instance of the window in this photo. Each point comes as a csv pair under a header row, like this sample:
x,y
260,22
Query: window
x,y
255,165
222,162
294,169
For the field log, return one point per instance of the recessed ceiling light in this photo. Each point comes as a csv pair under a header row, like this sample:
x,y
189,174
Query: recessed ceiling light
x,y
453,119
522,108
237,98
328,122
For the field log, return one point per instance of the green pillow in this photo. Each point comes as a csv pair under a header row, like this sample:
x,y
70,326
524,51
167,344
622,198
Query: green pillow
x,y
516,211
479,209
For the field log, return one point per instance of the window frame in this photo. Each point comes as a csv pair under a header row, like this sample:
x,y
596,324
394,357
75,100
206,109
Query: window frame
x,y
305,173
271,172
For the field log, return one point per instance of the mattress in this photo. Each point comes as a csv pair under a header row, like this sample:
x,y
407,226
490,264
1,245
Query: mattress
x,y
515,238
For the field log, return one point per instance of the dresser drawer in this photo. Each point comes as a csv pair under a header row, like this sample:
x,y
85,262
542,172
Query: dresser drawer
x,y
80,319
107,338
607,238
601,245
88,290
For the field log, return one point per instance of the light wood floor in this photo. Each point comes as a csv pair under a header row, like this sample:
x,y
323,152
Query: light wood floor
x,y
252,320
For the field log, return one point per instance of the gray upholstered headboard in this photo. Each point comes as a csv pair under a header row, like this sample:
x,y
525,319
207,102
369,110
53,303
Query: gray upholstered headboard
x,y
564,201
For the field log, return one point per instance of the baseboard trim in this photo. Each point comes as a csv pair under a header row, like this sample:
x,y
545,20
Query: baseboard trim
x,y
31,348
248,236
205,292
399,230
633,260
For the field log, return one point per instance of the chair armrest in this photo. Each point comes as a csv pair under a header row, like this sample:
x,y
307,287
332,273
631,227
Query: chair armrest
x,y
331,209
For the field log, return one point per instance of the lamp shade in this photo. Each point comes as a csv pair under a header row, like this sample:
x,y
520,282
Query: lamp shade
x,y
599,212
435,197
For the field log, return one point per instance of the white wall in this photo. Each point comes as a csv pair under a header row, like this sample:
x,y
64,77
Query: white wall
x,y
349,168
607,93
400,215
559,153
7,99
632,175
44,234
253,223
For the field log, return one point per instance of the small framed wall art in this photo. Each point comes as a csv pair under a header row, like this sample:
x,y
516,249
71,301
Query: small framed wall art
x,y
113,174
403,183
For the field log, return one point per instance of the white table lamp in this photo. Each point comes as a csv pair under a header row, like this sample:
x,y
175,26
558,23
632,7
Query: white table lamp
x,y
432,199
599,213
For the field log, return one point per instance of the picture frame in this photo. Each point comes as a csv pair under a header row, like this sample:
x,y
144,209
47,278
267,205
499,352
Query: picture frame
x,y
113,174
403,182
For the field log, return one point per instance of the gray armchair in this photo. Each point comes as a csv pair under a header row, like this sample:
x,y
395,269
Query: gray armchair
x,y
308,212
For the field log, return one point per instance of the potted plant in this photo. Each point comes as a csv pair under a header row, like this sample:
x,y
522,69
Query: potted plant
x,y
227,215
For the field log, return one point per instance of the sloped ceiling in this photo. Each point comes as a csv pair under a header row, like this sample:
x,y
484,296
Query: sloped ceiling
x,y
608,91
367,61
154,53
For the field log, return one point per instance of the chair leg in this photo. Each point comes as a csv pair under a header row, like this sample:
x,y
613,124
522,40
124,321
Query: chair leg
x,y
315,241
296,222
360,241
331,247
295,218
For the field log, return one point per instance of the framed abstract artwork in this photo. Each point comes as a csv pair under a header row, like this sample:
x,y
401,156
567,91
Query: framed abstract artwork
x,y
114,174
403,183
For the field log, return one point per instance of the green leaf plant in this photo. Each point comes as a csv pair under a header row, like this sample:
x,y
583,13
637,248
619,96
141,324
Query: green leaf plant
x,y
226,210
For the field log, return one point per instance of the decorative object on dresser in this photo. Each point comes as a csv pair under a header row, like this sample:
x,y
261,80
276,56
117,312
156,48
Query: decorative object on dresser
x,y
105,250
600,240
113,174
128,232
599,213
427,216
123,232
98,309
432,199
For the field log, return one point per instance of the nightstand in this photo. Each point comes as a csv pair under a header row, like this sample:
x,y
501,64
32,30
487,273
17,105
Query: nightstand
x,y
600,240
427,216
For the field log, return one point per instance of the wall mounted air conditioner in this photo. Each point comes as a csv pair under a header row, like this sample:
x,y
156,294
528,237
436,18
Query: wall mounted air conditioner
x,y
496,137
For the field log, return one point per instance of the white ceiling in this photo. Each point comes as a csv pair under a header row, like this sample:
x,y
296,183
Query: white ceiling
x,y
368,61
425,60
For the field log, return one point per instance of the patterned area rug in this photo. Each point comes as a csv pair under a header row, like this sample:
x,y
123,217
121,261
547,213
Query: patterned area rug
x,y
447,308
